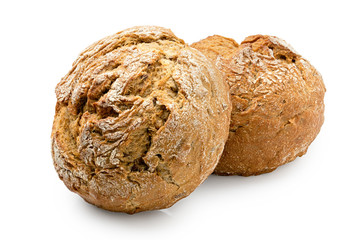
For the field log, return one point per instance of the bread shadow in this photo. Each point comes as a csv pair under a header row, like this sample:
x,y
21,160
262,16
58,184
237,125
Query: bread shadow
x,y
216,184
145,219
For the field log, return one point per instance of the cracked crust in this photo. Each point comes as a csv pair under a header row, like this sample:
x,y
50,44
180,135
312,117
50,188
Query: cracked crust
x,y
141,120
278,104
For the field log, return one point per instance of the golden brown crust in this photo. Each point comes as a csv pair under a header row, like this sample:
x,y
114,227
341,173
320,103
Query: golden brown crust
x,y
141,120
278,106
216,45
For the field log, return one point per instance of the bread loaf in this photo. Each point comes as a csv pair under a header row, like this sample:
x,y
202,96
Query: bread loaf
x,y
141,120
277,98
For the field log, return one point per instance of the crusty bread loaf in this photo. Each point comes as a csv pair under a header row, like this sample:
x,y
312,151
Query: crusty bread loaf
x,y
141,120
278,103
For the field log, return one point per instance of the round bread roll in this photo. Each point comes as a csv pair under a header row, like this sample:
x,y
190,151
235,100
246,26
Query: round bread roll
x,y
277,98
141,120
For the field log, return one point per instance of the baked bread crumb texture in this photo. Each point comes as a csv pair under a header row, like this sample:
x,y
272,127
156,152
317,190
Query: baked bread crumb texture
x,y
142,118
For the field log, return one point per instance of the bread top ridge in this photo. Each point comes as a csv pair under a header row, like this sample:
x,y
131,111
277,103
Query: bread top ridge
x,y
216,45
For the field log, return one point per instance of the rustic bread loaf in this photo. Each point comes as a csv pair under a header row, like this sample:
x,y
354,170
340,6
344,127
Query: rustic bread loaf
x,y
141,120
277,98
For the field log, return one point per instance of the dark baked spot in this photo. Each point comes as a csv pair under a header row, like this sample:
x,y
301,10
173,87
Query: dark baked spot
x,y
81,103
283,57
139,165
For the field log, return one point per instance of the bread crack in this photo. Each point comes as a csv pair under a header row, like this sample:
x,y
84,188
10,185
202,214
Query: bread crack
x,y
163,171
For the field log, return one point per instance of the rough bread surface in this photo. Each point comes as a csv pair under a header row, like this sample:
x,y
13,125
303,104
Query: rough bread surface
x,y
278,104
215,46
141,120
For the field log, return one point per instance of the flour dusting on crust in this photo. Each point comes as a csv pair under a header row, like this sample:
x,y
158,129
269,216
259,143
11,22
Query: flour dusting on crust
x,y
141,121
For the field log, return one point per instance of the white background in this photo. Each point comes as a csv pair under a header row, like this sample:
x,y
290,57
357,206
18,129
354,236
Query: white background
x,y
314,197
